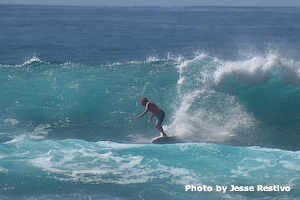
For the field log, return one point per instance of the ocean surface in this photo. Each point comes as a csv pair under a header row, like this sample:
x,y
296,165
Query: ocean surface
x,y
71,79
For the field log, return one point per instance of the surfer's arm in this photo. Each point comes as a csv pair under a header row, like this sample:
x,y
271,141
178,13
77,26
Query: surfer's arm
x,y
144,113
151,118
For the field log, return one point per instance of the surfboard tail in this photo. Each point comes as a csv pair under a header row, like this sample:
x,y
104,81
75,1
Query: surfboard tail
x,y
166,140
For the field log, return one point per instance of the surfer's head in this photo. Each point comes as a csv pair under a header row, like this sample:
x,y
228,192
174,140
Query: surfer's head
x,y
144,101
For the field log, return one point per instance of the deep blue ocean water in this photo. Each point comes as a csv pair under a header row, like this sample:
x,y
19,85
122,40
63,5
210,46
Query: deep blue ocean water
x,y
71,78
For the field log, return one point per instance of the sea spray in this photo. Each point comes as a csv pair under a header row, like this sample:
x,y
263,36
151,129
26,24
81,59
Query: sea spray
x,y
205,114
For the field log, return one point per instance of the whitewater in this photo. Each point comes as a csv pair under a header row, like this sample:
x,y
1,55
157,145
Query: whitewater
x,y
67,112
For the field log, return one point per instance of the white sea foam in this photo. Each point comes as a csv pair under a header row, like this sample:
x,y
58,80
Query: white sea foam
x,y
258,70
32,60
40,132
249,72
17,139
11,121
253,165
290,165
93,165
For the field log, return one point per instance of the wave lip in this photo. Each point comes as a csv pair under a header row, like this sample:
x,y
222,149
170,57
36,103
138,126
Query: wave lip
x,y
257,71
32,60
249,73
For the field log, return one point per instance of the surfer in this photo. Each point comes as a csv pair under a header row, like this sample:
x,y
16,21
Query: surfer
x,y
156,111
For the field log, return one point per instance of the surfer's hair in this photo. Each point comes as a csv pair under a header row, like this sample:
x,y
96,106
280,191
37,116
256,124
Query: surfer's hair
x,y
144,100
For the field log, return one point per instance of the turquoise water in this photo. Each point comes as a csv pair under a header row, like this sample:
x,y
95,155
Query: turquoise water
x,y
72,77
69,130
75,168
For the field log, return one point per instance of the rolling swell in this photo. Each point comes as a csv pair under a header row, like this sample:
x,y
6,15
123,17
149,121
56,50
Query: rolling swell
x,y
243,102
90,102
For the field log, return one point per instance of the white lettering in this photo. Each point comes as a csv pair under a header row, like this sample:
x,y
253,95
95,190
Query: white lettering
x,y
235,188
187,187
241,188
199,188
259,188
285,188
221,188
272,188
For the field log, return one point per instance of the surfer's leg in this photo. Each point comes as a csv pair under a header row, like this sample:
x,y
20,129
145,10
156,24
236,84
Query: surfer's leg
x,y
158,127
159,121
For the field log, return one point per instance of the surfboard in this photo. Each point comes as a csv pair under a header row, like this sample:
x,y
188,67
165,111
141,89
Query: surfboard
x,y
165,140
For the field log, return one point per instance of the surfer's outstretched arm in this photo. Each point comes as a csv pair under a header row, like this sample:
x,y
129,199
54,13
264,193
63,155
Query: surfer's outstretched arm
x,y
145,112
